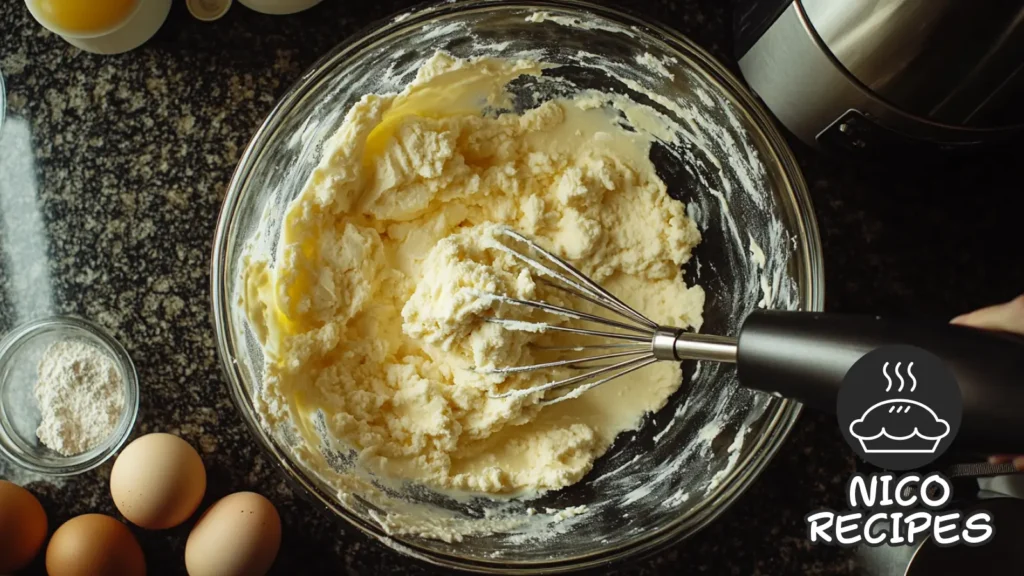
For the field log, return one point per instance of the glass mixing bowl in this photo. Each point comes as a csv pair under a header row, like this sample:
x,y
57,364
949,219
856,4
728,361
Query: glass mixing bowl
x,y
760,246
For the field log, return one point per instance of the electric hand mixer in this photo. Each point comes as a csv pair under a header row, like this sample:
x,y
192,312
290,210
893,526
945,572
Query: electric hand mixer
x,y
803,356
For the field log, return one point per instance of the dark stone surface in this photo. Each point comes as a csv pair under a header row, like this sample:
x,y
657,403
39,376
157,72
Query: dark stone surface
x,y
128,158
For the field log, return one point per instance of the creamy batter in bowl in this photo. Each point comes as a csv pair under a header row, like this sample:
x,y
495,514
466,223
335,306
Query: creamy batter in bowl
x,y
711,148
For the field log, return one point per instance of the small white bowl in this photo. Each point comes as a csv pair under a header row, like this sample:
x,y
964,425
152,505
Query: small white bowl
x,y
20,352
134,31
279,7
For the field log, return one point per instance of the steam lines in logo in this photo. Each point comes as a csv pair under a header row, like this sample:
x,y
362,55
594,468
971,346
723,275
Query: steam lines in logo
x,y
910,374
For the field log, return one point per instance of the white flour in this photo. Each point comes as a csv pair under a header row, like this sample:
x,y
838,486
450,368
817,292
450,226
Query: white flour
x,y
80,395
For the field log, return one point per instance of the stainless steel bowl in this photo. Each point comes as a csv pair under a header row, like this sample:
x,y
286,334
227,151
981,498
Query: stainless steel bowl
x,y
690,461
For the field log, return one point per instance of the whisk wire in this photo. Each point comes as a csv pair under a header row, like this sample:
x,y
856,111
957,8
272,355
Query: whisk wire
x,y
538,327
561,311
582,348
576,392
575,379
584,284
592,300
562,363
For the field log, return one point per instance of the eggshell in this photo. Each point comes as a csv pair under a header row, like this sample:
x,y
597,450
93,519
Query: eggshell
x,y
158,481
239,535
94,545
23,527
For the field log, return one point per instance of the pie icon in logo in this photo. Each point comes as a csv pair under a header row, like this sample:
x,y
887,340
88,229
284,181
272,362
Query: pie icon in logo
x,y
899,426
899,407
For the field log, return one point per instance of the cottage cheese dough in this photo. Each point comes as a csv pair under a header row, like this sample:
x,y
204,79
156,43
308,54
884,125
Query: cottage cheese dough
x,y
370,311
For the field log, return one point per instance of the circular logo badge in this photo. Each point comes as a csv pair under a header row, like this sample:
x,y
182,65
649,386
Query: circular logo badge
x,y
899,407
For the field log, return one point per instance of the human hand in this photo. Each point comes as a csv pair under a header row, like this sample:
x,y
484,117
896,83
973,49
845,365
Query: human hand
x,y
1007,317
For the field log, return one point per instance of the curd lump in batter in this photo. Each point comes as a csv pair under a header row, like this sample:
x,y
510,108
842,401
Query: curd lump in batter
x,y
371,313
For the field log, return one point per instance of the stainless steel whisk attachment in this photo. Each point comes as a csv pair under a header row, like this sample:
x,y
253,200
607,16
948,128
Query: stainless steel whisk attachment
x,y
800,355
634,341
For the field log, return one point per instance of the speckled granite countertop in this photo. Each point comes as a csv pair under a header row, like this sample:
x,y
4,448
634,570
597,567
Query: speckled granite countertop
x,y
112,171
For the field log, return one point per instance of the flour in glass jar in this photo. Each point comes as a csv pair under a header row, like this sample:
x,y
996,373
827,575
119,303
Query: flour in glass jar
x,y
81,396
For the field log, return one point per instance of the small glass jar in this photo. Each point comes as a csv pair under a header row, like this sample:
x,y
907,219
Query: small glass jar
x,y
20,352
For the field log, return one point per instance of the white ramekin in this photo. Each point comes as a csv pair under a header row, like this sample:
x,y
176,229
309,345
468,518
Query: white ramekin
x,y
134,31
279,6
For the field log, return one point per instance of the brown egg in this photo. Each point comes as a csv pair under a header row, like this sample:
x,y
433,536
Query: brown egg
x,y
94,545
22,527
238,536
158,481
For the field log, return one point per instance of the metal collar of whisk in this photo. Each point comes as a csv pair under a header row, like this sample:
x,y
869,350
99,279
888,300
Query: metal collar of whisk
x,y
674,344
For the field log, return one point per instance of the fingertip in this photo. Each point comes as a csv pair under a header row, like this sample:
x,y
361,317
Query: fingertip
x,y
1018,463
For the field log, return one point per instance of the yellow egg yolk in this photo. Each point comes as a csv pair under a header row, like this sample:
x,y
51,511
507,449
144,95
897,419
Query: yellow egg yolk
x,y
84,16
